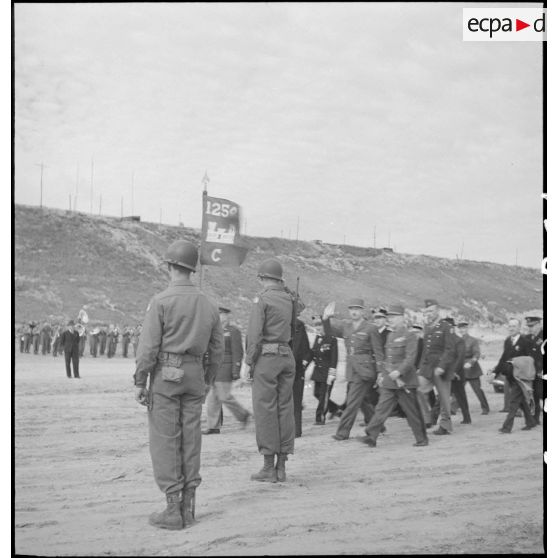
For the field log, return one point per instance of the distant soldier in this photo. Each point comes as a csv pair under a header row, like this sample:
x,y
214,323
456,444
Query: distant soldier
x,y
82,339
365,357
102,340
126,335
56,340
135,338
69,341
272,367
302,355
27,337
46,333
181,324
21,338
229,371
112,340
536,336
437,357
398,381
94,341
325,356
471,367
36,334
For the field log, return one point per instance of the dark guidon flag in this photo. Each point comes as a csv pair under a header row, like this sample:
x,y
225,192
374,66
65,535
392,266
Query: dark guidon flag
x,y
221,242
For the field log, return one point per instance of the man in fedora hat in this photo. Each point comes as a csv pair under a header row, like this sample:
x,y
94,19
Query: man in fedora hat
x,y
398,381
365,357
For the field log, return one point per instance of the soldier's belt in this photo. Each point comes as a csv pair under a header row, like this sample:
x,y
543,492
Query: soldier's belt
x,y
275,349
177,359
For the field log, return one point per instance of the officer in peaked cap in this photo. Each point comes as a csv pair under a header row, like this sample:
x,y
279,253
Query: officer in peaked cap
x,y
272,367
181,325
536,336
437,356
365,358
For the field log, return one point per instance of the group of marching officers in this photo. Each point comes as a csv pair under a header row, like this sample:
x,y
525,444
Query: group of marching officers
x,y
189,352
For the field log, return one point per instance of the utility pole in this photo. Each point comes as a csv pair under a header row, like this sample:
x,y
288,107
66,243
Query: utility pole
x,y
297,226
91,193
462,246
77,185
41,198
121,207
132,192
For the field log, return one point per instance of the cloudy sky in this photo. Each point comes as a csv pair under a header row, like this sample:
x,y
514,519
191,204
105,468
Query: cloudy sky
x,y
346,118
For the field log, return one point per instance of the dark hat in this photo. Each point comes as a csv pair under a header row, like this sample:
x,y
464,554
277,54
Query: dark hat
x,y
462,324
380,312
71,322
416,326
224,310
430,302
356,303
531,320
450,320
396,310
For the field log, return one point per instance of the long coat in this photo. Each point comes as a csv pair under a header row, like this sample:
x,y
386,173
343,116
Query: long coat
x,y
472,355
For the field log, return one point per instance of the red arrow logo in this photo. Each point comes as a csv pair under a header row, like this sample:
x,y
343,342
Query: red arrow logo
x,y
519,25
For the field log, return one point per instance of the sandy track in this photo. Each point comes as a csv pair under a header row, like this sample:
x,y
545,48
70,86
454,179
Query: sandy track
x,y
84,484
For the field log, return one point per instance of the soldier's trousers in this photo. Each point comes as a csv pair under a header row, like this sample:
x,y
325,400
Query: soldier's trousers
x,y
458,389
93,345
475,383
175,428
102,346
321,389
443,387
35,344
73,357
369,404
389,398
538,395
219,395
298,395
517,401
358,388
272,400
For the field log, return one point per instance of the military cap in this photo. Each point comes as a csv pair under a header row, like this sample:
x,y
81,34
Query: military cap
x,y
224,310
416,326
356,303
380,312
462,324
531,320
430,302
71,322
396,310
450,320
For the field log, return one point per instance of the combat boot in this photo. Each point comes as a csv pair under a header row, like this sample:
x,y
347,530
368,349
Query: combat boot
x,y
189,506
280,468
268,472
171,518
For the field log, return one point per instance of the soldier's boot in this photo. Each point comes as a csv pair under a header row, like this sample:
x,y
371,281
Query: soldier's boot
x,y
189,506
280,467
171,517
268,472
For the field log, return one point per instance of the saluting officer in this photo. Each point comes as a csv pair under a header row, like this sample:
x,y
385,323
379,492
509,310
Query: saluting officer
x,y
536,337
472,370
272,366
437,356
220,392
324,355
398,381
180,325
365,356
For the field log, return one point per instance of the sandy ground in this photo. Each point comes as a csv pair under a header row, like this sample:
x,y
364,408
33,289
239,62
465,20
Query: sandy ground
x,y
84,483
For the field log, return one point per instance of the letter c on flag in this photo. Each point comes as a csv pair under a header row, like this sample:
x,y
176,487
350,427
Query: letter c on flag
x,y
215,255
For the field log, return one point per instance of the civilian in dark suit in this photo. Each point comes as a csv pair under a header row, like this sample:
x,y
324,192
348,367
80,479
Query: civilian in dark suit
x,y
458,380
536,336
69,341
514,345
302,355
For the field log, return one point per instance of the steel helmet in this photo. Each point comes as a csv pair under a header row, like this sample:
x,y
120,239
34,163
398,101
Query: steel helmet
x,y
271,269
182,253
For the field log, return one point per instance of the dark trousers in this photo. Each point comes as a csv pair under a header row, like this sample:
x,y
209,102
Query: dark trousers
x,y
298,394
73,357
93,345
35,344
517,400
408,402
358,388
369,404
102,345
476,385
21,344
321,390
458,389
538,395
125,344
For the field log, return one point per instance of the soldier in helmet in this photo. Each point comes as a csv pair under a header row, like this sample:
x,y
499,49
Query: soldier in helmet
x,y
181,324
272,367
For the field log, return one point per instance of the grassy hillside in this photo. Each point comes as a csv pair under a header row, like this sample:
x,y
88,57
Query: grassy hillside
x,y
65,260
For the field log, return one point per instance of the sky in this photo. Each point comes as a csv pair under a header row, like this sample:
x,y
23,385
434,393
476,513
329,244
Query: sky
x,y
341,120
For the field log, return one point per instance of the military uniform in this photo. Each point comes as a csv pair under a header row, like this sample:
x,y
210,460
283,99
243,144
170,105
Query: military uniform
x,y
302,355
539,387
46,333
400,351
181,323
126,334
220,393
458,378
473,372
364,357
325,356
35,339
102,341
269,333
437,352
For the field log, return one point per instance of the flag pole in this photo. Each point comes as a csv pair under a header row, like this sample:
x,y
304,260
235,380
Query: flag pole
x,y
205,181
